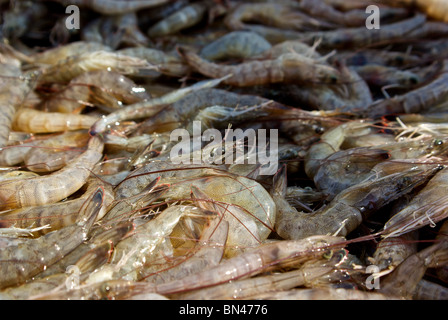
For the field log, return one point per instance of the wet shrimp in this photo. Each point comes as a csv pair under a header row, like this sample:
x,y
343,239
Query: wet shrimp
x,y
150,107
55,186
108,7
275,15
27,259
288,68
235,45
414,101
427,290
185,17
428,207
381,76
96,87
35,121
86,264
362,36
352,205
17,20
67,69
55,216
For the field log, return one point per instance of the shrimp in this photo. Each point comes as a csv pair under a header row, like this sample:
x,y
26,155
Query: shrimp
x,y
185,17
25,260
324,294
240,197
67,69
148,108
404,280
17,20
246,288
273,14
376,57
255,261
89,262
414,101
427,290
55,152
99,87
436,9
123,29
14,86
350,206
361,36
288,68
108,7
167,63
131,254
237,44
55,186
426,208
382,76
55,216
61,53
35,121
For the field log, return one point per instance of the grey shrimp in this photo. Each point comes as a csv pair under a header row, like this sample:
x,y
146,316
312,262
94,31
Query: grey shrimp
x,y
25,260
53,187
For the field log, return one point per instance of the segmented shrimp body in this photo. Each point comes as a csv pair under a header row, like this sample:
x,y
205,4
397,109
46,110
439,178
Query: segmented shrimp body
x,y
53,187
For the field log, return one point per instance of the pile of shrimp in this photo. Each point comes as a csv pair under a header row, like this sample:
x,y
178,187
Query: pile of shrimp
x,y
100,199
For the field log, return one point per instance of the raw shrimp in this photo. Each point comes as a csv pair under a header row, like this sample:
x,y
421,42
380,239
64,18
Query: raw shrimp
x,y
427,290
108,7
240,197
86,264
122,29
288,68
436,9
108,88
273,14
361,36
17,20
55,152
61,53
427,208
324,294
167,63
14,86
376,57
35,121
22,261
55,216
348,209
245,288
235,45
404,280
290,46
382,76
414,101
207,253
184,18
149,108
256,261
53,187
67,69
131,254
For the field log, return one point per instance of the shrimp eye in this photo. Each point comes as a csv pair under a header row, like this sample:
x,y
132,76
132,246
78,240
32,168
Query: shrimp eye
x,y
399,60
327,255
438,142
413,80
333,79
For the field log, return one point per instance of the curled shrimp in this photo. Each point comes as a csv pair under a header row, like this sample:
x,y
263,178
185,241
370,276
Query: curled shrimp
x,y
288,68
237,44
21,262
35,121
55,186
185,17
98,87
